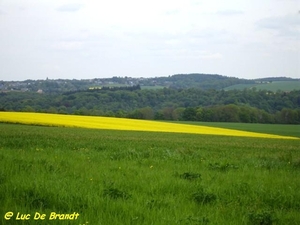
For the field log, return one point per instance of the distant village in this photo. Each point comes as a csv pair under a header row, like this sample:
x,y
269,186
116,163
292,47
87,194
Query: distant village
x,y
61,85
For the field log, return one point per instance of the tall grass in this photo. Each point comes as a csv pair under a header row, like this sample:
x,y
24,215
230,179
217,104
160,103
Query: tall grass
x,y
127,177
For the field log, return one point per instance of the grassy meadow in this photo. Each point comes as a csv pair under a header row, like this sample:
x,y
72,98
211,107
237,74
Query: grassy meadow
x,y
274,86
277,129
119,176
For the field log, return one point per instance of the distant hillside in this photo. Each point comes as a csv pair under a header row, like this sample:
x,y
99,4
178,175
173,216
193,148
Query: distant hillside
x,y
272,79
177,81
269,85
195,80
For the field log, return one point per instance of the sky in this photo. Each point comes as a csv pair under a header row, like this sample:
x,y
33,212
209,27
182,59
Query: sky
x,y
85,39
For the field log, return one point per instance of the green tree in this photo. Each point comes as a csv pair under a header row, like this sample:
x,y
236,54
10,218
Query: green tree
x,y
28,109
189,114
230,113
178,113
168,113
146,113
51,110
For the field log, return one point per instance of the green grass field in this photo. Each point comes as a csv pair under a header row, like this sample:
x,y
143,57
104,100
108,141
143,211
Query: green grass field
x,y
278,129
274,86
126,177
152,87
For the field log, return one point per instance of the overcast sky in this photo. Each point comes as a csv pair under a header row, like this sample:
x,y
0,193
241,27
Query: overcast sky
x,y
95,39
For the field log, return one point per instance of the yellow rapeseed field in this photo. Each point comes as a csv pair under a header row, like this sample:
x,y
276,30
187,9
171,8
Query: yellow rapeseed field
x,y
110,123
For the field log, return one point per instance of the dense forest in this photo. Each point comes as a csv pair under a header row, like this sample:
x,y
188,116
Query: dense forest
x,y
189,104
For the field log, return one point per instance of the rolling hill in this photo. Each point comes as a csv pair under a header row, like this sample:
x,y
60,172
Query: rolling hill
x,y
269,86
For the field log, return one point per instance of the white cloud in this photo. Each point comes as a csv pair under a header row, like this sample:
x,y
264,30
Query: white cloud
x,y
68,45
211,56
230,12
286,26
70,7
151,38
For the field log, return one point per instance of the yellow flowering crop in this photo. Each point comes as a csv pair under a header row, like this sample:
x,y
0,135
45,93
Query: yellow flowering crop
x,y
110,123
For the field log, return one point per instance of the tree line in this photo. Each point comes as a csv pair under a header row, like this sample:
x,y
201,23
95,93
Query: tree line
x,y
192,104
223,113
